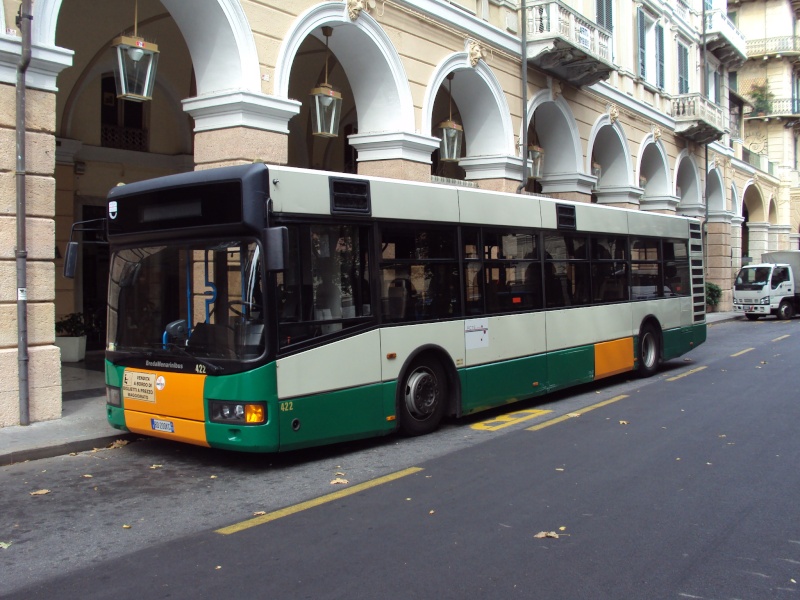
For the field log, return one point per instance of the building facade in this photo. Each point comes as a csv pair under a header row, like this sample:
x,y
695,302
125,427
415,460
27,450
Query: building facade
x,y
634,104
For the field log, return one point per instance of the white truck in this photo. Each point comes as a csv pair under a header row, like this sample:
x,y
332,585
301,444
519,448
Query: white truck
x,y
769,288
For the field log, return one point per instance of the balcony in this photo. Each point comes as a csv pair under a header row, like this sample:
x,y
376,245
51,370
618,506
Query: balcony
x,y
697,118
567,45
780,107
788,45
724,40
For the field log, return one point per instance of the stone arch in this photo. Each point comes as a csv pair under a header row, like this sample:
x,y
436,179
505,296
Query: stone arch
x,y
371,63
687,186
772,211
231,62
715,190
481,103
753,201
608,146
558,133
653,167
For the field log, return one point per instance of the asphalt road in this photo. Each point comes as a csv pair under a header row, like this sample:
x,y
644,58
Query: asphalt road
x,y
679,486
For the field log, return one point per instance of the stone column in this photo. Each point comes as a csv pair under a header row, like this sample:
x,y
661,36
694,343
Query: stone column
x,y
736,244
398,155
44,368
240,127
718,256
759,240
500,173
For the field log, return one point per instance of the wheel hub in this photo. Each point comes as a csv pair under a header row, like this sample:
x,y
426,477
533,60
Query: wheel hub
x,y
422,393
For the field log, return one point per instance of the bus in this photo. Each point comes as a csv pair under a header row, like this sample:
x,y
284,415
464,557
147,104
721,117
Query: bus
x,y
266,308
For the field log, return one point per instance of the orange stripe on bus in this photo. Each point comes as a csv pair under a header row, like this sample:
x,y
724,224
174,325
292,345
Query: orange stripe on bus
x,y
191,432
612,358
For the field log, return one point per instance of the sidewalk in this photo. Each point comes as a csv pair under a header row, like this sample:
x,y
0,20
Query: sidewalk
x,y
83,424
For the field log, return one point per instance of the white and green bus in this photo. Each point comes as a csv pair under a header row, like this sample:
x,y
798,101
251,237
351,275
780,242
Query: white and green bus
x,y
264,308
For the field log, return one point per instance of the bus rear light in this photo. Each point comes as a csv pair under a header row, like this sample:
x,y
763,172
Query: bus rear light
x,y
238,412
113,396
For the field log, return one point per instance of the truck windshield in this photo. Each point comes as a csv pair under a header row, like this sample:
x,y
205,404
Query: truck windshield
x,y
204,299
752,278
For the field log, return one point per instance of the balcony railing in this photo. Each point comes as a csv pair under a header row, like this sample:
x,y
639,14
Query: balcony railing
x,y
698,118
124,138
788,44
563,41
759,161
546,18
730,45
781,107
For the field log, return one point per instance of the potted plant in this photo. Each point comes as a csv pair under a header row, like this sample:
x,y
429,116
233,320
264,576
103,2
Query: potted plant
x,y
762,98
71,332
713,296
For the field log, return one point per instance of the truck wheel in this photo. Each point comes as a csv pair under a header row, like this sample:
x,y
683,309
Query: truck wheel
x,y
649,350
785,310
422,397
751,317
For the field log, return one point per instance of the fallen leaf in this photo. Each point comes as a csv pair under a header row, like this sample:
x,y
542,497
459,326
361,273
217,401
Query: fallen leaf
x,y
722,436
339,474
118,444
338,481
431,512
73,454
40,492
546,534
87,476
573,414
259,513
156,466
793,581
559,468
213,477
218,567
623,423
5,545
126,526
562,528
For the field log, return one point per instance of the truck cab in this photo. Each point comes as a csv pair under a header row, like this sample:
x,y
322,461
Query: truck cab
x,y
765,289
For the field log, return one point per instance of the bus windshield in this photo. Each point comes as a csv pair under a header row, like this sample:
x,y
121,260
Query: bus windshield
x,y
200,298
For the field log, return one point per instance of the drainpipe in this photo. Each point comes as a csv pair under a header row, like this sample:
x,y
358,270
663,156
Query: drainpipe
x,y
524,74
24,23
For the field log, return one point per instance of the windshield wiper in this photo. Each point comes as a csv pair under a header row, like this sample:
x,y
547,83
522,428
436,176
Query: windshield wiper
x,y
181,350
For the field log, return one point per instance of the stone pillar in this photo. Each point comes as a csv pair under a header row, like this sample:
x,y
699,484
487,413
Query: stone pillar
x,y
759,240
44,368
397,155
239,127
782,236
619,196
736,244
718,256
500,173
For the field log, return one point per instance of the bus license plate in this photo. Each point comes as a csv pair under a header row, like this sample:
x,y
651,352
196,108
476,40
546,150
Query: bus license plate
x,y
161,425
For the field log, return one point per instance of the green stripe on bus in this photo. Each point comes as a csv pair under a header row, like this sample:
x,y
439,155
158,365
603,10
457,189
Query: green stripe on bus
x,y
681,340
570,367
334,416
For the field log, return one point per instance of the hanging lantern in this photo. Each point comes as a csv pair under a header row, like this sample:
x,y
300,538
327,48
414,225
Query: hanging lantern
x,y
597,170
536,158
135,65
327,108
451,133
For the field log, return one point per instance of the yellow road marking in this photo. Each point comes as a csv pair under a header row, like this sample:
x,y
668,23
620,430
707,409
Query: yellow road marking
x,y
742,352
290,510
778,339
509,419
571,415
686,374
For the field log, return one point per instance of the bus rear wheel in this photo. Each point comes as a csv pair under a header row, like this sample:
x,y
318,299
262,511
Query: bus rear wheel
x,y
649,350
422,398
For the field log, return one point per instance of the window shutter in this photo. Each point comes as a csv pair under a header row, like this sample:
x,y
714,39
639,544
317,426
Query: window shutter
x,y
604,14
642,43
683,69
659,57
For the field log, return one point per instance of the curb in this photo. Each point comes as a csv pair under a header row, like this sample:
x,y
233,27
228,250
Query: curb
x,y
84,445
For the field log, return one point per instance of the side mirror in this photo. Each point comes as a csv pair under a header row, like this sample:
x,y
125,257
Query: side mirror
x,y
277,248
71,260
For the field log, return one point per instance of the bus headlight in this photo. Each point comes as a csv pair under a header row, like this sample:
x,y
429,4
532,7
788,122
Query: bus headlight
x,y
238,412
113,395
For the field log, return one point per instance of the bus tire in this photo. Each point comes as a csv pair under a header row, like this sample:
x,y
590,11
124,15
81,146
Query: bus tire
x,y
649,350
751,317
785,310
422,397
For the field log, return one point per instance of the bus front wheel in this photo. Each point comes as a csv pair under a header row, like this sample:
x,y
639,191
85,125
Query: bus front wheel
x,y
422,398
649,350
